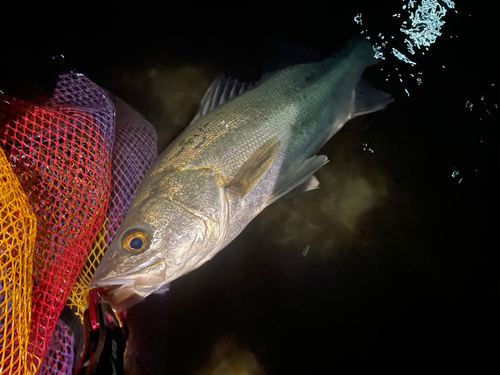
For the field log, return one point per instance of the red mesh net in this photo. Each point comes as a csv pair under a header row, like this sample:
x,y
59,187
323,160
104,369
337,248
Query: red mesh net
x,y
61,155
59,357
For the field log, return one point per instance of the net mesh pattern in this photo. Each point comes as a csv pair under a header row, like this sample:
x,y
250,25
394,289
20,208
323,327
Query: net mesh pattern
x,y
61,156
78,297
59,357
17,241
134,152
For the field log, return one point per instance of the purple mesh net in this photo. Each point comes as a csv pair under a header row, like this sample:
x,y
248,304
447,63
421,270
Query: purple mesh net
x,y
76,90
134,152
59,357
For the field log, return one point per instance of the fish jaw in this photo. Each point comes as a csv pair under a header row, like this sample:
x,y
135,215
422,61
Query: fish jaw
x,y
121,298
122,291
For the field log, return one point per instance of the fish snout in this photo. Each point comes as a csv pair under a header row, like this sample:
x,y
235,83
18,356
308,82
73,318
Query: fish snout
x,y
122,291
122,297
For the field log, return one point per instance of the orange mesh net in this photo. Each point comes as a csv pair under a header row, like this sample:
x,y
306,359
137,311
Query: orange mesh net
x,y
78,298
133,153
17,240
61,155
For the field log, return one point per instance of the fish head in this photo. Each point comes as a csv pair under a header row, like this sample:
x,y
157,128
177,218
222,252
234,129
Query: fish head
x,y
159,240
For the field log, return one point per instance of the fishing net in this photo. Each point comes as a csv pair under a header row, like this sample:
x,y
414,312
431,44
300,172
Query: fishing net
x,y
59,357
78,297
17,240
133,153
60,153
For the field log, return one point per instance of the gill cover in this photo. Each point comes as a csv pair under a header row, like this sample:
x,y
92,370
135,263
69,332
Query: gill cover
x,y
174,225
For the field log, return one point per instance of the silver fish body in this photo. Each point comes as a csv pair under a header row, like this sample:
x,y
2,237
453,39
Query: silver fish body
x,y
227,166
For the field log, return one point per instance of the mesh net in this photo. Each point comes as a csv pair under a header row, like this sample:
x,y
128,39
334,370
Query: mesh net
x,y
59,357
78,298
61,156
17,240
60,153
133,153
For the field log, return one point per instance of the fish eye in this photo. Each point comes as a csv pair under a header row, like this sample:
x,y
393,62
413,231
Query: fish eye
x,y
136,241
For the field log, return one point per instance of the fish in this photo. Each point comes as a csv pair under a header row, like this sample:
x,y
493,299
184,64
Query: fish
x,y
249,146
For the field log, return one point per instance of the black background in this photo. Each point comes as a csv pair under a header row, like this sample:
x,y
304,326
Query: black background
x,y
413,287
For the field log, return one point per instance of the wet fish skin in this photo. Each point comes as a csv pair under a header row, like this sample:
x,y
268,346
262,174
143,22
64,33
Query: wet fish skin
x,y
227,166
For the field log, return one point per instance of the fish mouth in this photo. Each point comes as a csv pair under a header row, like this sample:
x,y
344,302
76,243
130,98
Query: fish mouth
x,y
121,297
122,291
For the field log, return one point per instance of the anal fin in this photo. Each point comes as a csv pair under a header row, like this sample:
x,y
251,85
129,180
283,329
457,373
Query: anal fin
x,y
368,99
299,179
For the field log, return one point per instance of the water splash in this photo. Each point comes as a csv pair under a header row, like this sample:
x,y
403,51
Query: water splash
x,y
366,148
402,57
456,173
357,19
422,28
421,25
426,22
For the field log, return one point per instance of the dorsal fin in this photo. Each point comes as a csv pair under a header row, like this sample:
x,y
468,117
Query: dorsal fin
x,y
222,89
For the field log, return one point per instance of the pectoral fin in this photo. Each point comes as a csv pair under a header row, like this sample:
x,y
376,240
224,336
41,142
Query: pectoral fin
x,y
298,179
254,168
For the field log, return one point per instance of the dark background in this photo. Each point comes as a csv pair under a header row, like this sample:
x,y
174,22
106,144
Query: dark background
x,y
406,282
